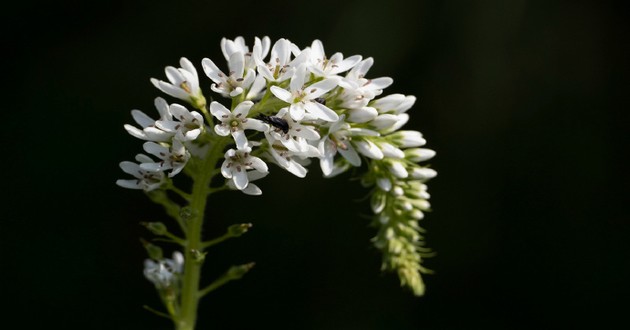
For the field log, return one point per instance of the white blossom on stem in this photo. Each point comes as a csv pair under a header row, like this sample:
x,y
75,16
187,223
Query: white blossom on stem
x,y
165,272
172,158
238,162
148,130
186,125
236,81
183,83
302,98
322,66
235,122
297,135
145,180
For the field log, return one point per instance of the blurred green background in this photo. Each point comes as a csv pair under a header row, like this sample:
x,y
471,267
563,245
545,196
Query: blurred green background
x,y
523,101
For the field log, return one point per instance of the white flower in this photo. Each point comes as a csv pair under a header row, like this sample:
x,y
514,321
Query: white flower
x,y
164,273
236,164
358,90
260,50
187,124
184,83
235,122
236,81
280,66
149,132
173,158
324,67
302,98
292,161
296,136
145,180
338,140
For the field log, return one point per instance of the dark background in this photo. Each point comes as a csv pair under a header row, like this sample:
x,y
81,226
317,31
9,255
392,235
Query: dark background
x,y
523,101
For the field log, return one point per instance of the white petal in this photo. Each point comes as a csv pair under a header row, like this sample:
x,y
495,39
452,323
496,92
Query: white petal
x,y
326,163
252,190
239,138
255,124
240,179
319,88
320,111
219,110
282,94
131,168
348,63
141,118
258,164
297,111
135,132
380,83
350,155
130,184
242,109
236,64
222,130
211,70
297,81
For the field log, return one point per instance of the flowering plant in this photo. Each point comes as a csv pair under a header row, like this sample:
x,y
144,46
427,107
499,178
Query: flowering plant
x,y
288,106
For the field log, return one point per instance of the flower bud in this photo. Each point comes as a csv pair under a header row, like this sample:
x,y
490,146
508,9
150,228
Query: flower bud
x,y
156,228
236,272
154,251
239,229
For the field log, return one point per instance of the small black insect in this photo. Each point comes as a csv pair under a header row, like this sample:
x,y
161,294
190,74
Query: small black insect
x,y
276,122
320,100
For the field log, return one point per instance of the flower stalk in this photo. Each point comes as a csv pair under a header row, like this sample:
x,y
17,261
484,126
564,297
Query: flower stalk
x,y
296,106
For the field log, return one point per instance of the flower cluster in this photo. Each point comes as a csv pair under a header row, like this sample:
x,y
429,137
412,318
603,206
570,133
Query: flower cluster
x,y
288,106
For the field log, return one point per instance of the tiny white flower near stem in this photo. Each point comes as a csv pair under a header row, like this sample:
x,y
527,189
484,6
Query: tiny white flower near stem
x,y
259,51
187,124
164,273
236,81
359,91
183,83
238,162
280,66
302,98
322,66
148,130
173,158
236,121
297,135
338,140
145,180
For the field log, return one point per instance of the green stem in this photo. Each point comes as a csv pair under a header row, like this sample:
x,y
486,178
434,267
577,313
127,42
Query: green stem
x,y
193,247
